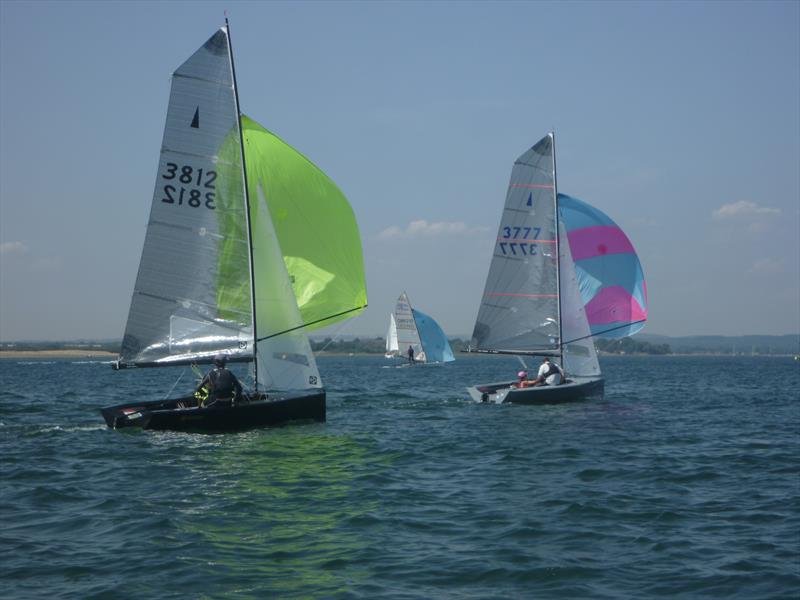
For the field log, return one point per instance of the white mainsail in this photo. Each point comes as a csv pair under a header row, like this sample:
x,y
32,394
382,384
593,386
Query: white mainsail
x,y
519,309
392,349
176,315
407,333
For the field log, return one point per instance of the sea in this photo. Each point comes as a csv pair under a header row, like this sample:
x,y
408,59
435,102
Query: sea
x,y
683,481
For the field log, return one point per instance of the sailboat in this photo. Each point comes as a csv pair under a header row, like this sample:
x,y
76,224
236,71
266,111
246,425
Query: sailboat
x,y
248,247
410,327
562,272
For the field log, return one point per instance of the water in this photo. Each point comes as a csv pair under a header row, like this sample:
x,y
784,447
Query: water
x,y
682,482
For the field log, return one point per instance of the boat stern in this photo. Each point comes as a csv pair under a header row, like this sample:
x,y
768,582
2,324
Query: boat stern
x,y
491,392
117,417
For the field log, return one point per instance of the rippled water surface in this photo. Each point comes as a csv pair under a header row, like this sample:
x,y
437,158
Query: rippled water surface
x,y
684,481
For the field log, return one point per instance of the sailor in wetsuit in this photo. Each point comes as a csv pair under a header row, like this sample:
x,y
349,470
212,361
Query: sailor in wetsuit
x,y
222,385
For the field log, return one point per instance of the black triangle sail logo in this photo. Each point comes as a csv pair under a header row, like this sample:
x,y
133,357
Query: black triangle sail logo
x,y
196,119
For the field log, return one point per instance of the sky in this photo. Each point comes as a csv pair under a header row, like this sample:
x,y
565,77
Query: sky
x,y
680,120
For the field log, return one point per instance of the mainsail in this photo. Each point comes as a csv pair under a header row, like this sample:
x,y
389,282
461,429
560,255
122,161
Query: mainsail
x,y
609,273
392,348
519,310
183,308
407,334
243,269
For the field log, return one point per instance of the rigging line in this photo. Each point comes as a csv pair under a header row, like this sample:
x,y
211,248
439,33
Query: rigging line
x,y
591,335
335,336
266,337
175,384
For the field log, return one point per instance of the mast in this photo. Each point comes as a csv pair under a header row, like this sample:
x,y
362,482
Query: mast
x,y
558,252
414,318
246,209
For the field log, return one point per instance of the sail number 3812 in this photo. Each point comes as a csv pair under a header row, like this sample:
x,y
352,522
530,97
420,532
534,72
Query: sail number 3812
x,y
188,186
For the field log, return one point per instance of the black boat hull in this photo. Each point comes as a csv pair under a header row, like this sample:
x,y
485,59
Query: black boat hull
x,y
572,391
261,412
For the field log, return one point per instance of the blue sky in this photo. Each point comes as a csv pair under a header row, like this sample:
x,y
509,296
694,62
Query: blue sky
x,y
680,120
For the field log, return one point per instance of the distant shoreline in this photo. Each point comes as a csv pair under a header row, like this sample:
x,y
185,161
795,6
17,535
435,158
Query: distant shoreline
x,y
56,354
77,353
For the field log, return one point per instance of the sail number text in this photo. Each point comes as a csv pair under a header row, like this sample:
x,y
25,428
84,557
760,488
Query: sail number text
x,y
516,244
188,186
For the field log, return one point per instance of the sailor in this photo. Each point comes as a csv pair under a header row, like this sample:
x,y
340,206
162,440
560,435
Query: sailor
x,y
222,385
523,380
549,374
410,355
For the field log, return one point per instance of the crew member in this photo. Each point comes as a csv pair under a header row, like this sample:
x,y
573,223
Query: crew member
x,y
549,374
222,385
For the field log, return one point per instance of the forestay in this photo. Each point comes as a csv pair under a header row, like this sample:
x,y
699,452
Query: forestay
x,y
519,309
184,307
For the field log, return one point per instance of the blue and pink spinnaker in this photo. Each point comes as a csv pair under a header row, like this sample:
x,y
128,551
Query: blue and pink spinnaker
x,y
610,277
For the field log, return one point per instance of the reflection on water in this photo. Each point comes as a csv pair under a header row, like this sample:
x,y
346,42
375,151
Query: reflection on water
x,y
276,506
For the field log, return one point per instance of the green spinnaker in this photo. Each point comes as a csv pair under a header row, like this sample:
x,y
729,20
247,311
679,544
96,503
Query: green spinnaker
x,y
315,226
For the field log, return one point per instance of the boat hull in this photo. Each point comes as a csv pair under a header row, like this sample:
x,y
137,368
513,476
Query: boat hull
x,y
261,412
572,391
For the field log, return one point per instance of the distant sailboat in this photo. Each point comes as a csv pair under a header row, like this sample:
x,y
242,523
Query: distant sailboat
x,y
392,346
248,247
410,327
561,273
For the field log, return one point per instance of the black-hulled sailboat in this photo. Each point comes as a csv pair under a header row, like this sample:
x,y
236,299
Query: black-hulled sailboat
x,y
562,272
249,246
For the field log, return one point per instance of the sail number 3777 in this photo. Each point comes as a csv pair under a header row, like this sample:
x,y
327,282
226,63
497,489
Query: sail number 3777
x,y
189,186
519,238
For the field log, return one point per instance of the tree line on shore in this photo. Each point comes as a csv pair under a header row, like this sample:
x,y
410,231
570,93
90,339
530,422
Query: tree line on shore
x,y
657,345
377,345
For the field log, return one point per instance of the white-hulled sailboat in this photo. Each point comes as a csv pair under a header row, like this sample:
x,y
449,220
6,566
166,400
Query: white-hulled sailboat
x,y
412,328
